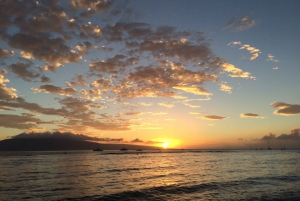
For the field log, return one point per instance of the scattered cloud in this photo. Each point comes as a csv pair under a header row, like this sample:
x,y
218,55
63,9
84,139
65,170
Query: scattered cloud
x,y
272,58
235,72
269,137
195,113
293,136
5,53
6,93
252,50
190,105
21,122
68,91
23,71
225,87
166,104
137,140
213,117
145,104
250,115
240,23
286,109
159,113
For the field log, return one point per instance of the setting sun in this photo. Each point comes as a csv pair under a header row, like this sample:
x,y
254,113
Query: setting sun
x,y
165,145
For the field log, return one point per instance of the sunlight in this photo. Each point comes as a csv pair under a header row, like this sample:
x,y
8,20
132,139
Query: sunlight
x,y
166,143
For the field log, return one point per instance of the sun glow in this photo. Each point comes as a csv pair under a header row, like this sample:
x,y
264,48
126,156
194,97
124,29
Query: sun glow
x,y
165,145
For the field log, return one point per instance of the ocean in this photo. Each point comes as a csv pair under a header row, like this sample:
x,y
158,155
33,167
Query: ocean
x,y
151,175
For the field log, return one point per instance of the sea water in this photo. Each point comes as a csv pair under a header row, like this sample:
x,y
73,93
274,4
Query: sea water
x,y
151,175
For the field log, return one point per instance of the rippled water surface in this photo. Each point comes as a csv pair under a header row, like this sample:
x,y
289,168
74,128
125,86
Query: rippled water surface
x,y
151,175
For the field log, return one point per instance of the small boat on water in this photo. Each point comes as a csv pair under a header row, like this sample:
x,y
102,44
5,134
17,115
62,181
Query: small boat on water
x,y
123,149
98,149
139,150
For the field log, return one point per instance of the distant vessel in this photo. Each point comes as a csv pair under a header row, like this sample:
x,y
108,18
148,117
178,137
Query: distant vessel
x,y
269,148
98,149
139,150
123,149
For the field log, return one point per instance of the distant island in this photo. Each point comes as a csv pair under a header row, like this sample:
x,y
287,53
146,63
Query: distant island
x,y
61,141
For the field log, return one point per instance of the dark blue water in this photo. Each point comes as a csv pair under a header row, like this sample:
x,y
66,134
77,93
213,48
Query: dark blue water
x,y
167,175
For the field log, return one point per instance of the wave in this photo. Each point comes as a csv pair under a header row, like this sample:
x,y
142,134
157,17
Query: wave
x,y
249,190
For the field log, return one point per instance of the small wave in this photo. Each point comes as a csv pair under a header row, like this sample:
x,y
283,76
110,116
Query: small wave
x,y
127,169
231,190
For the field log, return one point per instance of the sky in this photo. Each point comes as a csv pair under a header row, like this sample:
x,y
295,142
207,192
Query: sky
x,y
176,74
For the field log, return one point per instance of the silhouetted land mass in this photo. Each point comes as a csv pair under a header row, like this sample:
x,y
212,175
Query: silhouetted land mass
x,y
56,144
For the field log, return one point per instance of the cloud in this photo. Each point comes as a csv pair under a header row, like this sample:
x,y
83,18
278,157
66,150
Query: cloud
x,y
250,115
145,104
269,137
190,105
23,71
240,23
166,104
195,113
294,136
91,7
6,93
136,140
193,90
158,113
272,58
18,122
5,53
133,113
225,87
235,72
44,48
213,117
252,50
68,91
112,65
286,109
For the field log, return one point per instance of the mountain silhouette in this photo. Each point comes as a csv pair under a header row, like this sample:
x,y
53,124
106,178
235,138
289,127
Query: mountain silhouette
x,y
56,144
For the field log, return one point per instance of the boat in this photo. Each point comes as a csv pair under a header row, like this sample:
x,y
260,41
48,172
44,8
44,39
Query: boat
x,y
123,149
98,149
139,150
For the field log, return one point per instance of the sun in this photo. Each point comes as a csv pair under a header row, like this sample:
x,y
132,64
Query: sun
x,y
165,145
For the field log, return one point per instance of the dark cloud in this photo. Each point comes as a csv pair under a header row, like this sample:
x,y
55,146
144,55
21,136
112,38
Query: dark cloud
x,y
213,117
68,91
24,71
269,137
43,47
137,140
250,115
23,122
286,109
294,136
240,23
112,65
